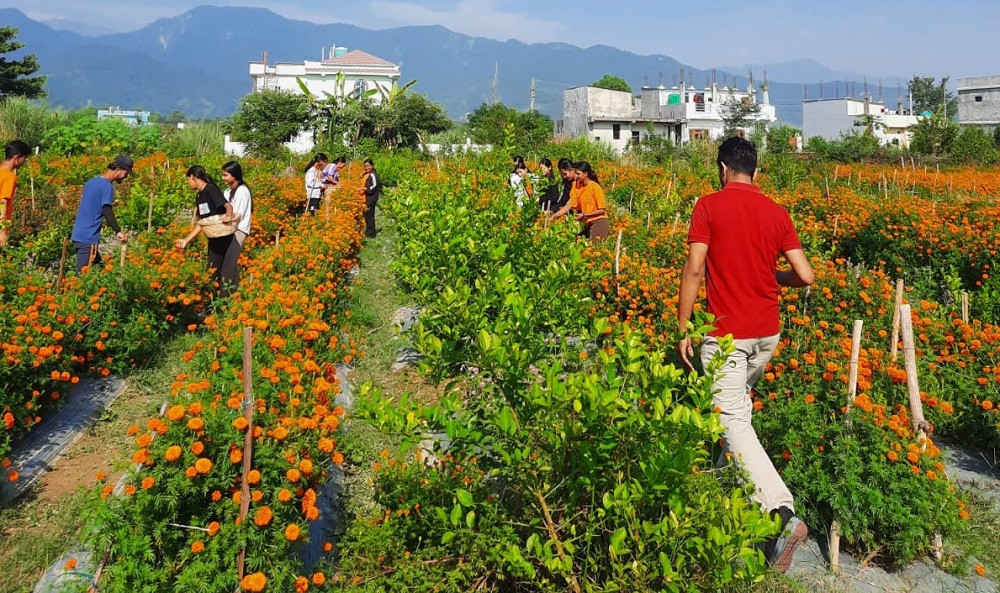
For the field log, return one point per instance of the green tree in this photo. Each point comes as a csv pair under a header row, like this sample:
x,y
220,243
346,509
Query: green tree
x,y
780,138
928,95
739,116
415,117
530,129
934,135
268,118
16,78
612,82
996,137
973,145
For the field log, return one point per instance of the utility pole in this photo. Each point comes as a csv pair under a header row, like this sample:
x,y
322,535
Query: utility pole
x,y
944,99
496,74
531,103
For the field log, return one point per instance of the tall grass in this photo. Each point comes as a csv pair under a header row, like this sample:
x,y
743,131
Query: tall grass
x,y
195,139
25,120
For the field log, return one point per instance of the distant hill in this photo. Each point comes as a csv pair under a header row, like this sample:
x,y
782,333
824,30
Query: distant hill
x,y
197,62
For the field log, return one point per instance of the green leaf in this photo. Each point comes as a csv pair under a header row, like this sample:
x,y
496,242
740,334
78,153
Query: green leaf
x,y
456,515
464,497
447,537
470,519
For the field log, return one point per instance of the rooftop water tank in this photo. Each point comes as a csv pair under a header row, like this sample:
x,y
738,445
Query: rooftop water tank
x,y
673,99
339,51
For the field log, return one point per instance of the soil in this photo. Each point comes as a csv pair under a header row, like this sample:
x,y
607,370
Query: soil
x,y
75,469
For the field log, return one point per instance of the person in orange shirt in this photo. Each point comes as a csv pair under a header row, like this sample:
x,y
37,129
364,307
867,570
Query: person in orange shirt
x,y
587,198
16,153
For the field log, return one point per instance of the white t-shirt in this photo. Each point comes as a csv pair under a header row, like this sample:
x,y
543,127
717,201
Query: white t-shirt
x,y
242,205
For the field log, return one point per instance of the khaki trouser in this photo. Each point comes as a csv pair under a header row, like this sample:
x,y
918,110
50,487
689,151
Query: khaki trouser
x,y
743,368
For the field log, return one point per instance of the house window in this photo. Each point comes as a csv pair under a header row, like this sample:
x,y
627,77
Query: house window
x,y
635,136
979,98
699,134
616,131
360,87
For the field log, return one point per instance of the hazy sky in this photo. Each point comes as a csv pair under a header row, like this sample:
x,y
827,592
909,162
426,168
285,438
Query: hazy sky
x,y
956,38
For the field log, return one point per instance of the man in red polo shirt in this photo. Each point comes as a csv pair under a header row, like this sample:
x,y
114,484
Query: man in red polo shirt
x,y
735,239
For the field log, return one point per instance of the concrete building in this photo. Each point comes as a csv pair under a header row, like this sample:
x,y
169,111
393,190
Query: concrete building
x,y
132,118
979,101
340,73
679,114
833,118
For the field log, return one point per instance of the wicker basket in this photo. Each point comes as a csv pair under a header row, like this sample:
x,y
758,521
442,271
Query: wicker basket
x,y
213,226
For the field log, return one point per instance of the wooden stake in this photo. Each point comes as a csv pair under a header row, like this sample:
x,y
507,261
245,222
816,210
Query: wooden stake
x,y
649,216
852,385
893,348
248,405
149,215
618,256
965,307
910,364
121,261
677,218
836,221
277,237
826,182
836,173
62,265
835,547
32,193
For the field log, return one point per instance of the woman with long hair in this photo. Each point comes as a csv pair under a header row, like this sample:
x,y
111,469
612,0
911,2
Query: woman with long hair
x,y
372,191
238,195
314,181
588,200
519,181
549,198
210,202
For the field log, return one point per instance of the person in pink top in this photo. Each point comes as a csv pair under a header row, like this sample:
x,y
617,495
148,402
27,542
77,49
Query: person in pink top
x,y
735,239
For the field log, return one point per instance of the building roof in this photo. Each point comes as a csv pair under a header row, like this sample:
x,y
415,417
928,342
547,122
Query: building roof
x,y
357,58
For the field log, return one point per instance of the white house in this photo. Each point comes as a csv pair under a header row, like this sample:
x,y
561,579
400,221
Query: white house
x,y
979,101
830,118
360,72
340,73
677,114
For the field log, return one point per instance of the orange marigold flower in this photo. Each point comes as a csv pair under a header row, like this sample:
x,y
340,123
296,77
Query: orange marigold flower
x,y
326,445
284,495
190,471
301,584
980,570
216,496
212,528
327,546
198,547
263,516
293,475
987,405
254,582
144,440
306,467
70,564
129,489
148,482
892,456
240,423
172,453
810,398
196,423
197,447
175,413
338,458
318,578
292,532
913,456
203,465
236,456
253,476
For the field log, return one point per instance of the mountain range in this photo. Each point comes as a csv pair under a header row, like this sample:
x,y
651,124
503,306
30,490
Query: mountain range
x,y
197,63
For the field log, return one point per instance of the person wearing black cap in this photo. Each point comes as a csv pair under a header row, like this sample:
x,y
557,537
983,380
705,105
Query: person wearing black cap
x,y
95,209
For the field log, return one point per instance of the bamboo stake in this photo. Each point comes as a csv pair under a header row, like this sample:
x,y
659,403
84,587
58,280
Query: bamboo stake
x,y
248,404
852,385
965,307
618,255
893,348
121,261
826,182
852,391
277,237
649,216
910,364
836,221
149,215
32,194
916,406
677,218
62,265
836,173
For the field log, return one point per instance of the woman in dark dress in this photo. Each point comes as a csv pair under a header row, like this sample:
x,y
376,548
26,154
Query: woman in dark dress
x,y
372,191
210,202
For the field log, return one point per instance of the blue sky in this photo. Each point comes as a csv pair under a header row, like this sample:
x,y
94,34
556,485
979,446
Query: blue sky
x,y
874,37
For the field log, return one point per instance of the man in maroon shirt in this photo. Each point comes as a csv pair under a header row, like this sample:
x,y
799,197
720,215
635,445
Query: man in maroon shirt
x,y
735,239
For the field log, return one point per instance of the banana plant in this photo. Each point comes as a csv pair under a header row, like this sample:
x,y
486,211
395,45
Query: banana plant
x,y
333,109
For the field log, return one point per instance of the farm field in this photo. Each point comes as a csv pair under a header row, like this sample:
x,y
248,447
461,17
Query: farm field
x,y
560,446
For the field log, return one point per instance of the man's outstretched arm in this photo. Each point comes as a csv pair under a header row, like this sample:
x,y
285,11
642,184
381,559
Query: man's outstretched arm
x,y
691,277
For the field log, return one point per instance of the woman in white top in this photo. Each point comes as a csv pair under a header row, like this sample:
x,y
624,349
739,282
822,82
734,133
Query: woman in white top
x,y
314,181
519,181
238,195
